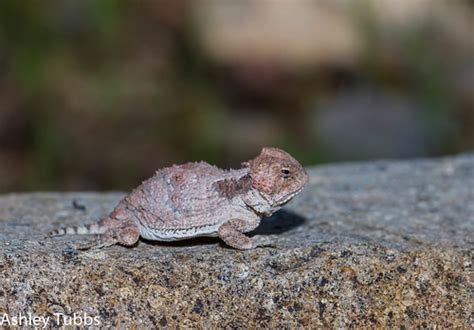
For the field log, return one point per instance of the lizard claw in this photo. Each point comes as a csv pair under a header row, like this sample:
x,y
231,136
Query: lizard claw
x,y
264,242
97,243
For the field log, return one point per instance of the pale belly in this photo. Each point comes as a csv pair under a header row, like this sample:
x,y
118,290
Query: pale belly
x,y
198,228
176,234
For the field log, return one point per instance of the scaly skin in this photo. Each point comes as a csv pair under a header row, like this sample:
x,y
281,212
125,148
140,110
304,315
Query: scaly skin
x,y
198,199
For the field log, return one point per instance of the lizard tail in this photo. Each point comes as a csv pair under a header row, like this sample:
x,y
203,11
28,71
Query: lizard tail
x,y
89,229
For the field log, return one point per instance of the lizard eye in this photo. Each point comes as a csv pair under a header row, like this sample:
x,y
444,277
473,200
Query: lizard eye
x,y
286,173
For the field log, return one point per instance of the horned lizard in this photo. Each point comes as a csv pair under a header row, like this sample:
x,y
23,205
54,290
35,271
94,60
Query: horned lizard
x,y
198,199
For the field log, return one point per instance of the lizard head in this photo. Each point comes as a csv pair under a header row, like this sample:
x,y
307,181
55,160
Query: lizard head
x,y
277,175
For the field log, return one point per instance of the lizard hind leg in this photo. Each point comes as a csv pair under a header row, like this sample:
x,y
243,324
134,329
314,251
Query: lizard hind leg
x,y
126,234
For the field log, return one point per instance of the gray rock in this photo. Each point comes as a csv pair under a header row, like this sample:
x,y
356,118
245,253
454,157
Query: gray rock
x,y
386,243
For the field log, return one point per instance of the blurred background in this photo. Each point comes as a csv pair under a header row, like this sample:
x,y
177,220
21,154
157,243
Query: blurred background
x,y
96,95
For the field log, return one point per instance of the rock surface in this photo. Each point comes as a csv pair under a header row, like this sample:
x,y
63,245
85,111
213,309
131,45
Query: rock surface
x,y
387,243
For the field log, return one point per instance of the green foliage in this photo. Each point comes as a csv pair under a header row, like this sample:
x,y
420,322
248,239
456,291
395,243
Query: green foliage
x,y
107,91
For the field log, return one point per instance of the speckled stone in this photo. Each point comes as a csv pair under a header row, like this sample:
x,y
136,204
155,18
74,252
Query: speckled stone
x,y
383,244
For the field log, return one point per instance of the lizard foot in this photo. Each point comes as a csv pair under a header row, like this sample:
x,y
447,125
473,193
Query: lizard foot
x,y
264,241
96,243
126,235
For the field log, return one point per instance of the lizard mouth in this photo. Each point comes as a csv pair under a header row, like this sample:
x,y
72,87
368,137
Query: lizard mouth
x,y
286,198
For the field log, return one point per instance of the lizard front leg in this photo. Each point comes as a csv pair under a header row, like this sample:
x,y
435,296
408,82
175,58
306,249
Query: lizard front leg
x,y
231,233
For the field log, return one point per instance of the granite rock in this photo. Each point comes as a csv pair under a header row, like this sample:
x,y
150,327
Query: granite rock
x,y
386,243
